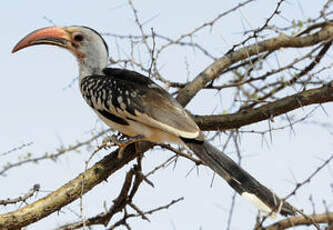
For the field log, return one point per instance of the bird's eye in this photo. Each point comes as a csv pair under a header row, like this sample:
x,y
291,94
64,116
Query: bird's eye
x,y
78,37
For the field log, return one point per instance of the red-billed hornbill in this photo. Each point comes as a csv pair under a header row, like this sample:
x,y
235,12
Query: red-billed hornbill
x,y
137,107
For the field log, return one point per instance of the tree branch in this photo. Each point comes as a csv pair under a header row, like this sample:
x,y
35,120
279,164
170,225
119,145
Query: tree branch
x,y
299,220
278,107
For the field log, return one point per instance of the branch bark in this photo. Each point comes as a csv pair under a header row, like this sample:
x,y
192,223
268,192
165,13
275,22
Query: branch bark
x,y
300,220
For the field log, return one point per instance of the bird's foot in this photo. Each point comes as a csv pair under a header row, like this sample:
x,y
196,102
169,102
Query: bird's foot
x,y
122,143
109,141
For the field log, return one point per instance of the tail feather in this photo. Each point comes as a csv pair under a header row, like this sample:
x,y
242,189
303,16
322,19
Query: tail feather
x,y
240,180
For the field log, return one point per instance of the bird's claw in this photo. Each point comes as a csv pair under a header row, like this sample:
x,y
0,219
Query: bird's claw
x,y
108,142
114,140
121,143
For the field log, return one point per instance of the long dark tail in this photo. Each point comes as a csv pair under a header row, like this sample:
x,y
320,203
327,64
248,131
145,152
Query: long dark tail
x,y
239,179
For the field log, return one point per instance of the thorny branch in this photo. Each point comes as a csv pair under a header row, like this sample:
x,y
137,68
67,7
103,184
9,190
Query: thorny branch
x,y
308,180
268,111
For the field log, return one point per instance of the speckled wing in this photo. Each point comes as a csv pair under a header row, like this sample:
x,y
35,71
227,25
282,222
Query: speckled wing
x,y
164,112
152,105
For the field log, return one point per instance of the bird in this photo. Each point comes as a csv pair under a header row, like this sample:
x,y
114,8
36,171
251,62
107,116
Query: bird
x,y
137,107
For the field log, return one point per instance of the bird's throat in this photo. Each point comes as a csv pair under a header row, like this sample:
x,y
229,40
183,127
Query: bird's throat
x,y
89,68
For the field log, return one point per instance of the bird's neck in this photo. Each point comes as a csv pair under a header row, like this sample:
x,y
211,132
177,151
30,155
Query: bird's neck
x,y
91,66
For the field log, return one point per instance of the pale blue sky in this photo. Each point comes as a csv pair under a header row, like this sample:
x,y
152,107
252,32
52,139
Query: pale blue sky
x,y
39,107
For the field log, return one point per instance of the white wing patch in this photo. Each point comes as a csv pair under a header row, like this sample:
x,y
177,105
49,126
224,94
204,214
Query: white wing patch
x,y
258,204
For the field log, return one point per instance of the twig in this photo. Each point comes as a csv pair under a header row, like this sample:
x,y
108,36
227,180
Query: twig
x,y
309,178
23,198
16,149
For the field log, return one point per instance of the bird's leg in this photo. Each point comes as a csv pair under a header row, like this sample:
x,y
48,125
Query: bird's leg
x,y
122,144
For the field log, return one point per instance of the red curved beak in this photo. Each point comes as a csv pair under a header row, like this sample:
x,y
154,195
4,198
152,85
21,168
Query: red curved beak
x,y
57,36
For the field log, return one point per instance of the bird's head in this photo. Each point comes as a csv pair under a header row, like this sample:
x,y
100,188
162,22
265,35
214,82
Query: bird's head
x,y
85,43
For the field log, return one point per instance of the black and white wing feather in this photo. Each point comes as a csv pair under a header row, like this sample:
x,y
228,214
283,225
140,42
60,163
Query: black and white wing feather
x,y
126,95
